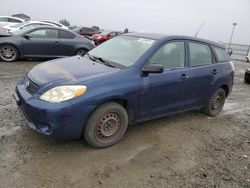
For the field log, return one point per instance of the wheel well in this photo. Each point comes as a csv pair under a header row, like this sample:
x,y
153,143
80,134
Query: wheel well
x,y
122,102
226,89
82,49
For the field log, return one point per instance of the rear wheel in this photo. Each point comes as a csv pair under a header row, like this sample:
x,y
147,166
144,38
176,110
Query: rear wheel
x,y
81,52
8,53
215,103
106,126
247,76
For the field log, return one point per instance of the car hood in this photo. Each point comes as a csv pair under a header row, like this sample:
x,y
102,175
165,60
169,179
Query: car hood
x,y
73,69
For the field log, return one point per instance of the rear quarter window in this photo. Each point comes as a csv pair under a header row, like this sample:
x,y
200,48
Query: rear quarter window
x,y
66,35
221,54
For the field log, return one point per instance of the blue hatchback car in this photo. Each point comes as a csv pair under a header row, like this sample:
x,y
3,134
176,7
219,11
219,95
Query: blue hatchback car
x,y
129,79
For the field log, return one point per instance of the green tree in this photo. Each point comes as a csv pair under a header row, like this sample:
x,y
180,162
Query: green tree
x,y
64,22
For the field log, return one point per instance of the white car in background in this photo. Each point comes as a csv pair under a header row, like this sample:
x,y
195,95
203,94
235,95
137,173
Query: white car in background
x,y
10,21
16,27
55,23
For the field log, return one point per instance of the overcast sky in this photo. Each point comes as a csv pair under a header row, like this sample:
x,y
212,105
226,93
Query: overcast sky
x,y
159,16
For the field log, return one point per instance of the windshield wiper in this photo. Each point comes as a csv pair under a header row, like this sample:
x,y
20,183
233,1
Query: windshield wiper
x,y
94,58
90,56
105,62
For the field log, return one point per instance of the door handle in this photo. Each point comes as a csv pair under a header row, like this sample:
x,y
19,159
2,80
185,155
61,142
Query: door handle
x,y
214,72
184,77
56,42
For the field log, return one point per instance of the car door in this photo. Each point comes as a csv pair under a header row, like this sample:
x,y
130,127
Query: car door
x,y
41,43
67,46
166,92
203,73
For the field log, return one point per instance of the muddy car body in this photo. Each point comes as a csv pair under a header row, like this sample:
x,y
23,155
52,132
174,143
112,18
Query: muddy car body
x,y
129,79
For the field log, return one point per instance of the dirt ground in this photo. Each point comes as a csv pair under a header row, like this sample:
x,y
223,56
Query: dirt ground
x,y
186,150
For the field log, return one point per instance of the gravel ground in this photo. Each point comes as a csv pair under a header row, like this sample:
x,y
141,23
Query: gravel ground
x,y
186,150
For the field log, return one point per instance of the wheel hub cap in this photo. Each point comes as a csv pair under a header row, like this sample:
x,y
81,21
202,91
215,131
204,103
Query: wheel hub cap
x,y
7,53
108,125
216,102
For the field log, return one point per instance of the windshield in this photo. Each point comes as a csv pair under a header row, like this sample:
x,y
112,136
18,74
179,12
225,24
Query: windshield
x,y
123,50
19,25
22,31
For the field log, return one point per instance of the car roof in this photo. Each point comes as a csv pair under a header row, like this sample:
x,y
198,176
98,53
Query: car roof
x,y
50,27
159,36
12,18
52,22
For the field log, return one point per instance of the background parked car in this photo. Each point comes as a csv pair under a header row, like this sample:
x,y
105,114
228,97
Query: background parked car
x,y
86,31
8,20
42,41
104,36
27,24
55,23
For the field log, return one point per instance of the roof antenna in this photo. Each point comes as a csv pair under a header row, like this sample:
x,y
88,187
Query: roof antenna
x,y
199,29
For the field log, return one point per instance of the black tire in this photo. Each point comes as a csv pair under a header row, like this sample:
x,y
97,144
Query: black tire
x,y
247,76
215,103
81,52
106,126
8,53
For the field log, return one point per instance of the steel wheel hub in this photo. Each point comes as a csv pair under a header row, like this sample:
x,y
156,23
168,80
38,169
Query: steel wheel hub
x,y
216,102
108,125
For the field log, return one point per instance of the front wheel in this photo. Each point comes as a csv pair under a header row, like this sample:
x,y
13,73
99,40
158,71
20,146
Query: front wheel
x,y
8,53
106,126
215,103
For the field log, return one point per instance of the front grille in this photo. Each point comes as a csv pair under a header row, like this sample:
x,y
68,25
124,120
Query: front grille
x,y
31,87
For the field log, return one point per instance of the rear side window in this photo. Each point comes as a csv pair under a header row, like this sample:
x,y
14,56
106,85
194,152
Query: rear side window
x,y
171,55
200,54
66,35
221,54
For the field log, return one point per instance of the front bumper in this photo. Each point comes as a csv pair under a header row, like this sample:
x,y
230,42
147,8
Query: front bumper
x,y
61,121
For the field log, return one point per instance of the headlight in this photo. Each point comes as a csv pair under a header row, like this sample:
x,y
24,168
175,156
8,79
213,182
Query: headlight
x,y
63,93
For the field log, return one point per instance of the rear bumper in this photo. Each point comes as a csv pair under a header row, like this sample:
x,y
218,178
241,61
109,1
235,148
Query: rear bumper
x,y
62,121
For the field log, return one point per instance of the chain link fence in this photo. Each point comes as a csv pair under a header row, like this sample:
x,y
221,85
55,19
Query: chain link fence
x,y
239,51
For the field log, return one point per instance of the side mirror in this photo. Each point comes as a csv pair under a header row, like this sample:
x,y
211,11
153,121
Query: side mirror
x,y
27,36
152,68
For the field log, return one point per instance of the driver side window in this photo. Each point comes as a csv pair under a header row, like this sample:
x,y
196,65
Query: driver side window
x,y
171,55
